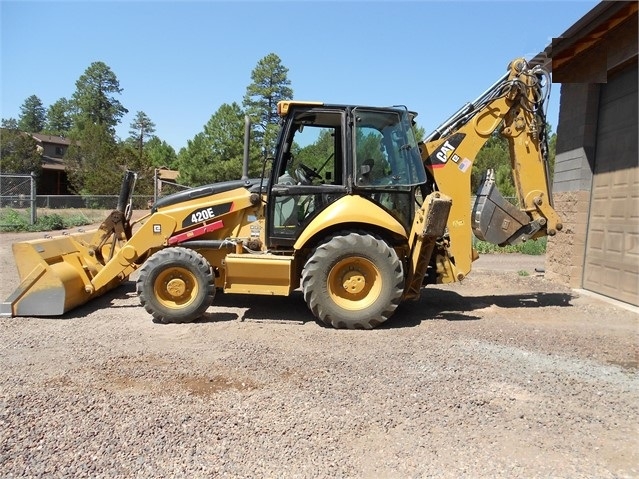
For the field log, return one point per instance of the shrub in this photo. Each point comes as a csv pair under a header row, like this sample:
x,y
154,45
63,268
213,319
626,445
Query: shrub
x,y
12,220
531,247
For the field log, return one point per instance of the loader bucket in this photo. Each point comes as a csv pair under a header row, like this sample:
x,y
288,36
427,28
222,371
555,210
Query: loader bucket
x,y
54,276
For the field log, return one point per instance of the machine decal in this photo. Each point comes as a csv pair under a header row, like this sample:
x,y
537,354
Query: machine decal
x,y
194,233
204,214
465,165
446,151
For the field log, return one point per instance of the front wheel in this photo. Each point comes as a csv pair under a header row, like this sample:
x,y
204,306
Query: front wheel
x,y
176,285
353,281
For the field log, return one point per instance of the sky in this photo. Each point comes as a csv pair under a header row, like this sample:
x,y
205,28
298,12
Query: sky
x,y
179,61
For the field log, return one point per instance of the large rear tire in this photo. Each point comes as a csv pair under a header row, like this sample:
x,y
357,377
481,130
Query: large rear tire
x,y
353,281
176,285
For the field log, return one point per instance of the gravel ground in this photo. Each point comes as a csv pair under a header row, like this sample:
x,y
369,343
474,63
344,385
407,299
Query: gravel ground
x,y
504,375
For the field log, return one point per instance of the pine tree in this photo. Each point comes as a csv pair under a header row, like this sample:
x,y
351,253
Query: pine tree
x,y
18,152
59,120
93,160
32,115
92,164
141,129
160,153
10,123
270,84
94,102
217,153
193,161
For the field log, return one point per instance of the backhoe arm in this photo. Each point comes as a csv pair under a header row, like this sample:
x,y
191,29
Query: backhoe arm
x,y
514,104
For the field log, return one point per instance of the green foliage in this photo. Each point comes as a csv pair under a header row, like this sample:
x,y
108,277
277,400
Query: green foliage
x,y
19,153
193,161
217,153
316,153
59,120
10,123
419,132
495,155
531,247
32,115
141,129
93,163
50,222
160,153
128,158
12,220
94,102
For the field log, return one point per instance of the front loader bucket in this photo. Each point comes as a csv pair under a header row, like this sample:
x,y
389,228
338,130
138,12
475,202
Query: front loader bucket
x,y
54,276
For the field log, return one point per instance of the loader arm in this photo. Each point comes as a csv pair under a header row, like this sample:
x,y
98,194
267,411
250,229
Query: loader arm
x,y
515,104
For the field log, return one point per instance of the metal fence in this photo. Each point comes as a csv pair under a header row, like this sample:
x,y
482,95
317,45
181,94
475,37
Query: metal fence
x,y
19,191
93,202
165,188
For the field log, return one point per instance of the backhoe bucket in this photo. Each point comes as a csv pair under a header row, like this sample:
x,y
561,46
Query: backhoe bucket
x,y
54,276
494,219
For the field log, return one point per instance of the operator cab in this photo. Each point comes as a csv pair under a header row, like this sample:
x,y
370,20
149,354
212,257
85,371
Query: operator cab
x,y
325,152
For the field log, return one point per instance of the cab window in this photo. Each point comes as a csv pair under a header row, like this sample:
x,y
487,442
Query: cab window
x,y
386,153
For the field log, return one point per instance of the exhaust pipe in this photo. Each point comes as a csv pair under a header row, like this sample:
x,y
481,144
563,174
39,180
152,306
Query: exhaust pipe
x,y
247,140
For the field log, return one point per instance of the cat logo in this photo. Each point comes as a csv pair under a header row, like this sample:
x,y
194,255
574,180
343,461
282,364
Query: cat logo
x,y
444,152
447,151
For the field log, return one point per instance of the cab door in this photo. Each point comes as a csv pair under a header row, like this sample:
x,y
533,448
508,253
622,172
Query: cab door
x,y
308,173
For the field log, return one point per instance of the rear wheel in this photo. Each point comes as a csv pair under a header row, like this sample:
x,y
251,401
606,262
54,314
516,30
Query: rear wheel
x,y
176,285
353,281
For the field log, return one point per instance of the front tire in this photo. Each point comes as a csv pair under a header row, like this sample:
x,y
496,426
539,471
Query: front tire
x,y
176,285
353,281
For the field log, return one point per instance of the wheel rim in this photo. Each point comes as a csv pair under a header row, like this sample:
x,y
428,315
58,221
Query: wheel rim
x,y
354,283
176,287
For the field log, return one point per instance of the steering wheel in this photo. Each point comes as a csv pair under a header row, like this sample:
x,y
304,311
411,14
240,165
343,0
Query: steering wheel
x,y
306,174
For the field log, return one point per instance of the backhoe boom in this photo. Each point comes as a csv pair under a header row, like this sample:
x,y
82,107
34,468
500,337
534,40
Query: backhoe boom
x,y
515,106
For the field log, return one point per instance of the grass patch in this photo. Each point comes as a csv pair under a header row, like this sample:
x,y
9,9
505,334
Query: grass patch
x,y
531,247
15,221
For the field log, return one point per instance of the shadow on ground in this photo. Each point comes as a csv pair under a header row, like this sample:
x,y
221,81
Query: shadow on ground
x,y
437,304
434,304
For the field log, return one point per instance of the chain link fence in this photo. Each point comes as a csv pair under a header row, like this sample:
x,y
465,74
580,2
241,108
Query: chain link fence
x,y
93,202
19,191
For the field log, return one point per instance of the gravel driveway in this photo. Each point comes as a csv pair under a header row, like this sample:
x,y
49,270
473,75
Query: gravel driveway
x,y
504,375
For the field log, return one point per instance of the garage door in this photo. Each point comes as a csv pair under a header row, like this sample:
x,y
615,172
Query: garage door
x,y
612,245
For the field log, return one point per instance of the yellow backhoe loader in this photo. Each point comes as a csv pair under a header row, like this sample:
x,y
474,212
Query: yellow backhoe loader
x,y
354,212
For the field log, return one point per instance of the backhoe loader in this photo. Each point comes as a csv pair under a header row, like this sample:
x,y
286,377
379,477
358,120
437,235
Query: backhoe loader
x,y
351,209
